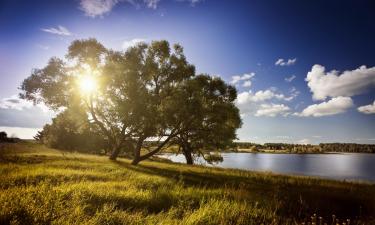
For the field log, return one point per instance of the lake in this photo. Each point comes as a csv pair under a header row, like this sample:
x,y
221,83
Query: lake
x,y
340,166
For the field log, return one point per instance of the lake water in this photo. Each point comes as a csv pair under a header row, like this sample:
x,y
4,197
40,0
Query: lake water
x,y
348,166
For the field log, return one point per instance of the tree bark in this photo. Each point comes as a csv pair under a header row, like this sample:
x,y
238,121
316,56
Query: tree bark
x,y
188,154
189,158
137,151
114,153
139,157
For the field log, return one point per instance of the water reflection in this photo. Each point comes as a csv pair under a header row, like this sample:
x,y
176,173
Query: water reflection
x,y
349,166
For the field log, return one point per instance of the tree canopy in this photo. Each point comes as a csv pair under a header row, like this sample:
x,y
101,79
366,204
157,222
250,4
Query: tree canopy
x,y
148,92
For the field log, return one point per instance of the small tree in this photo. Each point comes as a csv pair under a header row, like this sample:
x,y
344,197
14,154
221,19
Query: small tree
x,y
70,130
3,136
39,136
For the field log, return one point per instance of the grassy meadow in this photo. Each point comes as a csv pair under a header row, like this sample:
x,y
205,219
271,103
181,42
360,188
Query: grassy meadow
x,y
46,186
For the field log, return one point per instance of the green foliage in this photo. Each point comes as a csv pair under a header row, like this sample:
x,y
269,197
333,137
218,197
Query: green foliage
x,y
148,92
70,130
209,116
46,186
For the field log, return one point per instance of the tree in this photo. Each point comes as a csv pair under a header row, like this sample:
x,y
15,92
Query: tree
x,y
71,130
209,116
131,97
39,136
3,136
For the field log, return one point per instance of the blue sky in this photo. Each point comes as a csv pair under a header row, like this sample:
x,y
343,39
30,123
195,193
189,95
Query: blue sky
x,y
304,70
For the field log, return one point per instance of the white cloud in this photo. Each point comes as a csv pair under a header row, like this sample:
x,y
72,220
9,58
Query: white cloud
x,y
131,43
152,4
94,8
293,92
260,96
245,77
14,103
261,103
272,110
247,83
290,79
282,62
334,106
60,30
367,109
333,84
15,112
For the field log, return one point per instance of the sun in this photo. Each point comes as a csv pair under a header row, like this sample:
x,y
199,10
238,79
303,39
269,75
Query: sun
x,y
87,84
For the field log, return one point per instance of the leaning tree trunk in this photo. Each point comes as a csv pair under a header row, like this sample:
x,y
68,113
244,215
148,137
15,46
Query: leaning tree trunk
x,y
137,151
138,157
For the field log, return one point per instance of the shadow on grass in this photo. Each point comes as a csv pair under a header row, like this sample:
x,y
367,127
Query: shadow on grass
x,y
298,200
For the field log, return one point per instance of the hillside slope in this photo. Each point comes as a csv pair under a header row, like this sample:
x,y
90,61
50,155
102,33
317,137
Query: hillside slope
x,y
46,186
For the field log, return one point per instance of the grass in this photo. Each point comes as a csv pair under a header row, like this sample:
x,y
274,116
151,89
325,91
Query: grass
x,y
46,186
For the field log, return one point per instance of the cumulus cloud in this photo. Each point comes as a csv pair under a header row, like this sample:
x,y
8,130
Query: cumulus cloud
x,y
272,110
260,96
333,84
290,79
261,103
282,62
334,106
367,109
245,77
60,30
131,43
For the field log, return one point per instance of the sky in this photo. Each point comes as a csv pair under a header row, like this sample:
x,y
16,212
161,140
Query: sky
x,y
304,70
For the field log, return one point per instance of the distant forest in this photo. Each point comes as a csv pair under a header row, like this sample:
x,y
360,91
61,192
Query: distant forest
x,y
301,148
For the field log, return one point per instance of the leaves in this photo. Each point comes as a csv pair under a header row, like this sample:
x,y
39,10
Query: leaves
x,y
148,92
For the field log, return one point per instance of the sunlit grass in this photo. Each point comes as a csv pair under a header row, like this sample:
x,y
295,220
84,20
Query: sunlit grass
x,y
41,186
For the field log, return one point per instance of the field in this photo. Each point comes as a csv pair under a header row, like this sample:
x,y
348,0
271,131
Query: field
x,y
46,186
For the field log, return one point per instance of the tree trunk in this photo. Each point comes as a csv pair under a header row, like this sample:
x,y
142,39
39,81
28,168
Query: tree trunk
x,y
137,151
189,158
135,161
138,157
114,153
188,154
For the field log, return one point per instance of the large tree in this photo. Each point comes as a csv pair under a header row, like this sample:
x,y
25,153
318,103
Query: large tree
x,y
131,97
209,115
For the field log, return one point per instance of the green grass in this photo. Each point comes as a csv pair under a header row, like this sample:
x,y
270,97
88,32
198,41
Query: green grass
x,y
45,186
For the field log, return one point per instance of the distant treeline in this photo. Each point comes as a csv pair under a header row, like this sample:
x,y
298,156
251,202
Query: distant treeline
x,y
323,147
4,138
